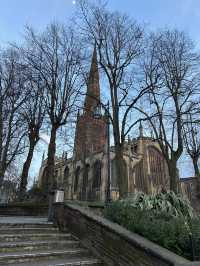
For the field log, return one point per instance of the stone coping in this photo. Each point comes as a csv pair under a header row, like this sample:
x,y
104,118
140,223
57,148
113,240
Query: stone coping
x,y
135,239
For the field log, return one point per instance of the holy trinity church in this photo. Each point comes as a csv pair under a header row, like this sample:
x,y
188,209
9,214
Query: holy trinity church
x,y
85,175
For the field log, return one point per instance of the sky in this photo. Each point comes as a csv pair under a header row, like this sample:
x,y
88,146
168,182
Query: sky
x,y
15,14
155,14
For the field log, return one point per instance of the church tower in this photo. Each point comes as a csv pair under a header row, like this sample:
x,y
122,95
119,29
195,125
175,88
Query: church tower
x,y
90,134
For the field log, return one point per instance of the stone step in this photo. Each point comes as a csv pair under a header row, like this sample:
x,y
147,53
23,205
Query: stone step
x,y
85,261
37,245
32,230
34,242
25,225
23,220
19,257
35,236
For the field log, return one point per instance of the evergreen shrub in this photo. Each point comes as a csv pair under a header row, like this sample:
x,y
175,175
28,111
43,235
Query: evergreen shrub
x,y
166,219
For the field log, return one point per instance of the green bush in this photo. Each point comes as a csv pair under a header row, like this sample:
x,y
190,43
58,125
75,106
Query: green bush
x,y
166,203
169,225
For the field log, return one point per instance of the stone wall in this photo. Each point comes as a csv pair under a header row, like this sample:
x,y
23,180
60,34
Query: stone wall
x,y
112,243
90,136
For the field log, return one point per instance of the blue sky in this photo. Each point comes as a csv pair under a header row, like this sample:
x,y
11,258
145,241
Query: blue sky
x,y
15,14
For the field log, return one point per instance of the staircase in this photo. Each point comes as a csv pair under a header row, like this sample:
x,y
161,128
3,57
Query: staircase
x,y
40,244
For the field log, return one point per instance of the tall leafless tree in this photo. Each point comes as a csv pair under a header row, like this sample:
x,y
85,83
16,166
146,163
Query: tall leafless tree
x,y
12,96
33,112
55,55
119,42
171,71
191,136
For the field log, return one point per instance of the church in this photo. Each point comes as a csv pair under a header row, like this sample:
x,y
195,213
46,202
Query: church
x,y
84,176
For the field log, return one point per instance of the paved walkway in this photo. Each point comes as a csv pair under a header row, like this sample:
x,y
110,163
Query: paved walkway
x,y
22,220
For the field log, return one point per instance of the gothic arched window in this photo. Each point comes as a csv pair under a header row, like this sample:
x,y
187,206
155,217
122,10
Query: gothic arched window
x,y
85,175
97,111
76,181
85,182
96,175
114,183
66,176
157,166
139,176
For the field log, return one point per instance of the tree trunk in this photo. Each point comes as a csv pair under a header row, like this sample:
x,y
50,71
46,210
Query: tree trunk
x,y
2,172
1,175
26,167
50,171
195,164
173,175
197,174
122,177
1,142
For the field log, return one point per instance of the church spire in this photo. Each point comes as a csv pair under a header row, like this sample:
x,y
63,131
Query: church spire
x,y
93,88
91,127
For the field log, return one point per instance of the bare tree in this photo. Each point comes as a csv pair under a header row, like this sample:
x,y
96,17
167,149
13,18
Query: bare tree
x,y
171,72
119,42
55,55
12,96
33,112
191,136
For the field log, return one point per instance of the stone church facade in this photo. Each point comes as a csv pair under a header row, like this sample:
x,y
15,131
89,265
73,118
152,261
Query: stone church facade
x,y
85,175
